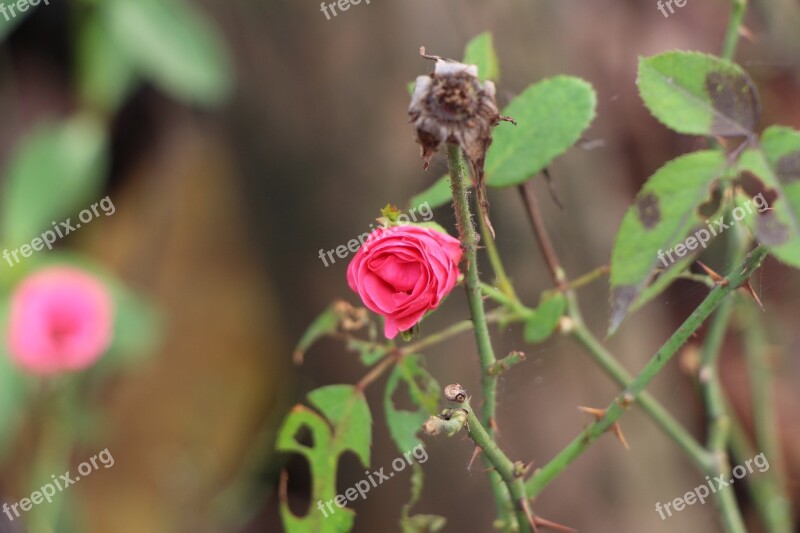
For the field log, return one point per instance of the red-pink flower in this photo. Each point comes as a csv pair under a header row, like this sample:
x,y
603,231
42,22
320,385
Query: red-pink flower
x,y
402,272
61,319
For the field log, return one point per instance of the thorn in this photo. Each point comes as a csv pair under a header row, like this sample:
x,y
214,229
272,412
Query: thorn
x,y
747,34
716,278
475,454
615,427
529,515
283,485
494,426
552,525
747,289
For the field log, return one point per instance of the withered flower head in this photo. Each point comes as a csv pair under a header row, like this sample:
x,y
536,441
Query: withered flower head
x,y
452,105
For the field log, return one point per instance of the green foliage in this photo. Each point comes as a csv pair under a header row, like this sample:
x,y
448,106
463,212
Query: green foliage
x,y
436,195
173,45
345,426
57,169
699,94
666,210
775,165
551,116
424,392
421,523
544,319
480,51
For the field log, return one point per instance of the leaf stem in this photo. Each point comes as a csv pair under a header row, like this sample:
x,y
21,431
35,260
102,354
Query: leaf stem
x,y
738,9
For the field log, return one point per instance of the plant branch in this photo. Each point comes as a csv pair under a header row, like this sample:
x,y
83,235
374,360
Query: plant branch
x,y
543,238
738,9
546,474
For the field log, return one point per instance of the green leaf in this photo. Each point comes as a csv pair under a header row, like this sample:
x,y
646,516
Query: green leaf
x,y
57,169
775,164
346,427
173,45
137,326
699,94
369,352
480,51
544,320
551,116
105,74
423,523
424,392
7,26
435,196
665,212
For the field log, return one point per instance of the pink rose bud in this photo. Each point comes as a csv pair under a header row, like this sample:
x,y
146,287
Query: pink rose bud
x,y
402,272
61,319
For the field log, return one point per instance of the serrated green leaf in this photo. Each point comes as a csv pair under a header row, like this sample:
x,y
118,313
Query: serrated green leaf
x,y
174,46
57,169
699,94
551,116
346,426
480,51
664,214
776,164
435,196
544,320
424,392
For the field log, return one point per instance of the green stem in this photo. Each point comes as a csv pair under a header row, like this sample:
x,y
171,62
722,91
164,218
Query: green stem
x,y
469,241
776,510
732,33
718,419
547,473
501,278
507,470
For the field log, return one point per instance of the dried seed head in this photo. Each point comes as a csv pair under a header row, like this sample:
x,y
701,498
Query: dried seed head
x,y
452,105
455,393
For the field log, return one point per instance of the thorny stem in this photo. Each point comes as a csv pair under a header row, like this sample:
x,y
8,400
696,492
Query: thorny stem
x,y
510,474
469,241
548,472
597,351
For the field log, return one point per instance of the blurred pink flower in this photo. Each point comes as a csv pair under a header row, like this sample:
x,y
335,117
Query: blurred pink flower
x,y
61,319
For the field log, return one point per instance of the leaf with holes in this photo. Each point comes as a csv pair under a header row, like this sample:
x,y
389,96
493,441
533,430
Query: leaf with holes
x,y
699,94
421,523
480,51
345,426
772,170
666,211
551,116
423,390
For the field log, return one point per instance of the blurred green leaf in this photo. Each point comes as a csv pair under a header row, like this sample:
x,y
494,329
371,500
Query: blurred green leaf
x,y
435,196
57,169
480,51
699,94
105,74
423,390
665,212
551,116
12,17
325,324
137,326
422,523
173,45
346,426
776,165
544,320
